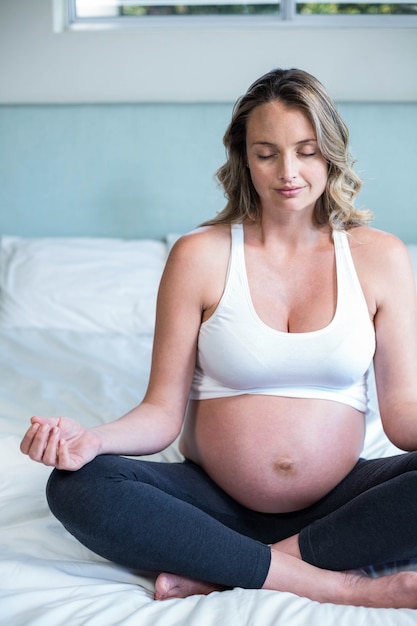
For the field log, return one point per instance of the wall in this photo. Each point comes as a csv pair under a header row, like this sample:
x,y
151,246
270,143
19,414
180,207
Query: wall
x,y
116,170
147,169
94,145
193,64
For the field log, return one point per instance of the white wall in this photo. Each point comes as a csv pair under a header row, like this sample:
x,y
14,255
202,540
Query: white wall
x,y
206,65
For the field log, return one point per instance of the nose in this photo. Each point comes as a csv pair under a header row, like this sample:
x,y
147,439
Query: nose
x,y
287,168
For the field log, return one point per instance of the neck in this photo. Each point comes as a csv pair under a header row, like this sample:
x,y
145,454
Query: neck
x,y
294,232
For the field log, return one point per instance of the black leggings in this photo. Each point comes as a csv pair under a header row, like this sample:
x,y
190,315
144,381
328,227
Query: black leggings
x,y
172,517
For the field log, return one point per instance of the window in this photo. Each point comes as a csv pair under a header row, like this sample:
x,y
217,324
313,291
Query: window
x,y
117,13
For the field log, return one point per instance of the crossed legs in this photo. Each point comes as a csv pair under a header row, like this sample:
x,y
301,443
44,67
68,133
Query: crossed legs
x,y
171,518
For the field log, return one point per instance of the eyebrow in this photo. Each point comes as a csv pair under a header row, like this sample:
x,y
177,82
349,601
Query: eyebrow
x,y
273,145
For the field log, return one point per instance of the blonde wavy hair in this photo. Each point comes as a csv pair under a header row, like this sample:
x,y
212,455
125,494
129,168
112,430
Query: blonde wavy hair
x,y
297,89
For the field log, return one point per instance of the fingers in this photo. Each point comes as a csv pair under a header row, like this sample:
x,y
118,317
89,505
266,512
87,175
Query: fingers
x,y
28,438
50,454
41,443
37,419
63,458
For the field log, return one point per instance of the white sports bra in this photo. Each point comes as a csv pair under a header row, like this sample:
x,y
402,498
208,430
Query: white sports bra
x,y
239,354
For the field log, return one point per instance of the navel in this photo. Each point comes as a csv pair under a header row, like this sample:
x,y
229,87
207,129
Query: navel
x,y
284,464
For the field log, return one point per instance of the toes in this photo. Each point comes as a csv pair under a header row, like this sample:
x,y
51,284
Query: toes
x,y
165,587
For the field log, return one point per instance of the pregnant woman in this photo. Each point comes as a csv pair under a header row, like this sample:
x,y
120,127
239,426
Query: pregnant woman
x,y
268,319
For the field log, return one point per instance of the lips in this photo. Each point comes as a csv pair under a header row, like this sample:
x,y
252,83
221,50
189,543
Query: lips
x,y
289,192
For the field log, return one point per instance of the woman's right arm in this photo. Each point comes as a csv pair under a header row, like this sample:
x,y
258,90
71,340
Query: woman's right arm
x,y
156,422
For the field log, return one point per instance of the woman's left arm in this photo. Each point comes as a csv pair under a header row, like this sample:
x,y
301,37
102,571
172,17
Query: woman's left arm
x,y
395,359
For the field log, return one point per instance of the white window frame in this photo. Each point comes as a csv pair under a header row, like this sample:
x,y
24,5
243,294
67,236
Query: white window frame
x,y
66,19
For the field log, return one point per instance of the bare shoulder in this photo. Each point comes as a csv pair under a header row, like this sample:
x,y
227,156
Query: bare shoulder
x,y
366,235
199,261
382,262
205,247
205,240
377,247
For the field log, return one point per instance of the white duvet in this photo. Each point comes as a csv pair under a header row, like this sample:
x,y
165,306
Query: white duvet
x,y
47,577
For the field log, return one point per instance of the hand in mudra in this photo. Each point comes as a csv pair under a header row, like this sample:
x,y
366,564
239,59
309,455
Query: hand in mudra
x,y
60,442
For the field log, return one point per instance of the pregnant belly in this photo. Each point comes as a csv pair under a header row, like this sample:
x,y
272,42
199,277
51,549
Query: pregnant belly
x,y
274,455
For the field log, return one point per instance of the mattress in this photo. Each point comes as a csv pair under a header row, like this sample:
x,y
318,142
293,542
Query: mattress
x,y
55,361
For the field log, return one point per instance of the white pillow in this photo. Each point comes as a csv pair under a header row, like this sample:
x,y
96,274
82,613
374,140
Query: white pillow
x,y
86,284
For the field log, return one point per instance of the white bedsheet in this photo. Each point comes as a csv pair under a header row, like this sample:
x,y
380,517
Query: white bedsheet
x,y
47,577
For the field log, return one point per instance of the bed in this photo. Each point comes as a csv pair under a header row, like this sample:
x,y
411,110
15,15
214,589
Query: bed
x,y
76,326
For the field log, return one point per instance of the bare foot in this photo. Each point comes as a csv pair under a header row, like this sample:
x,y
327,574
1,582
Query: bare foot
x,y
396,591
288,573
172,586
